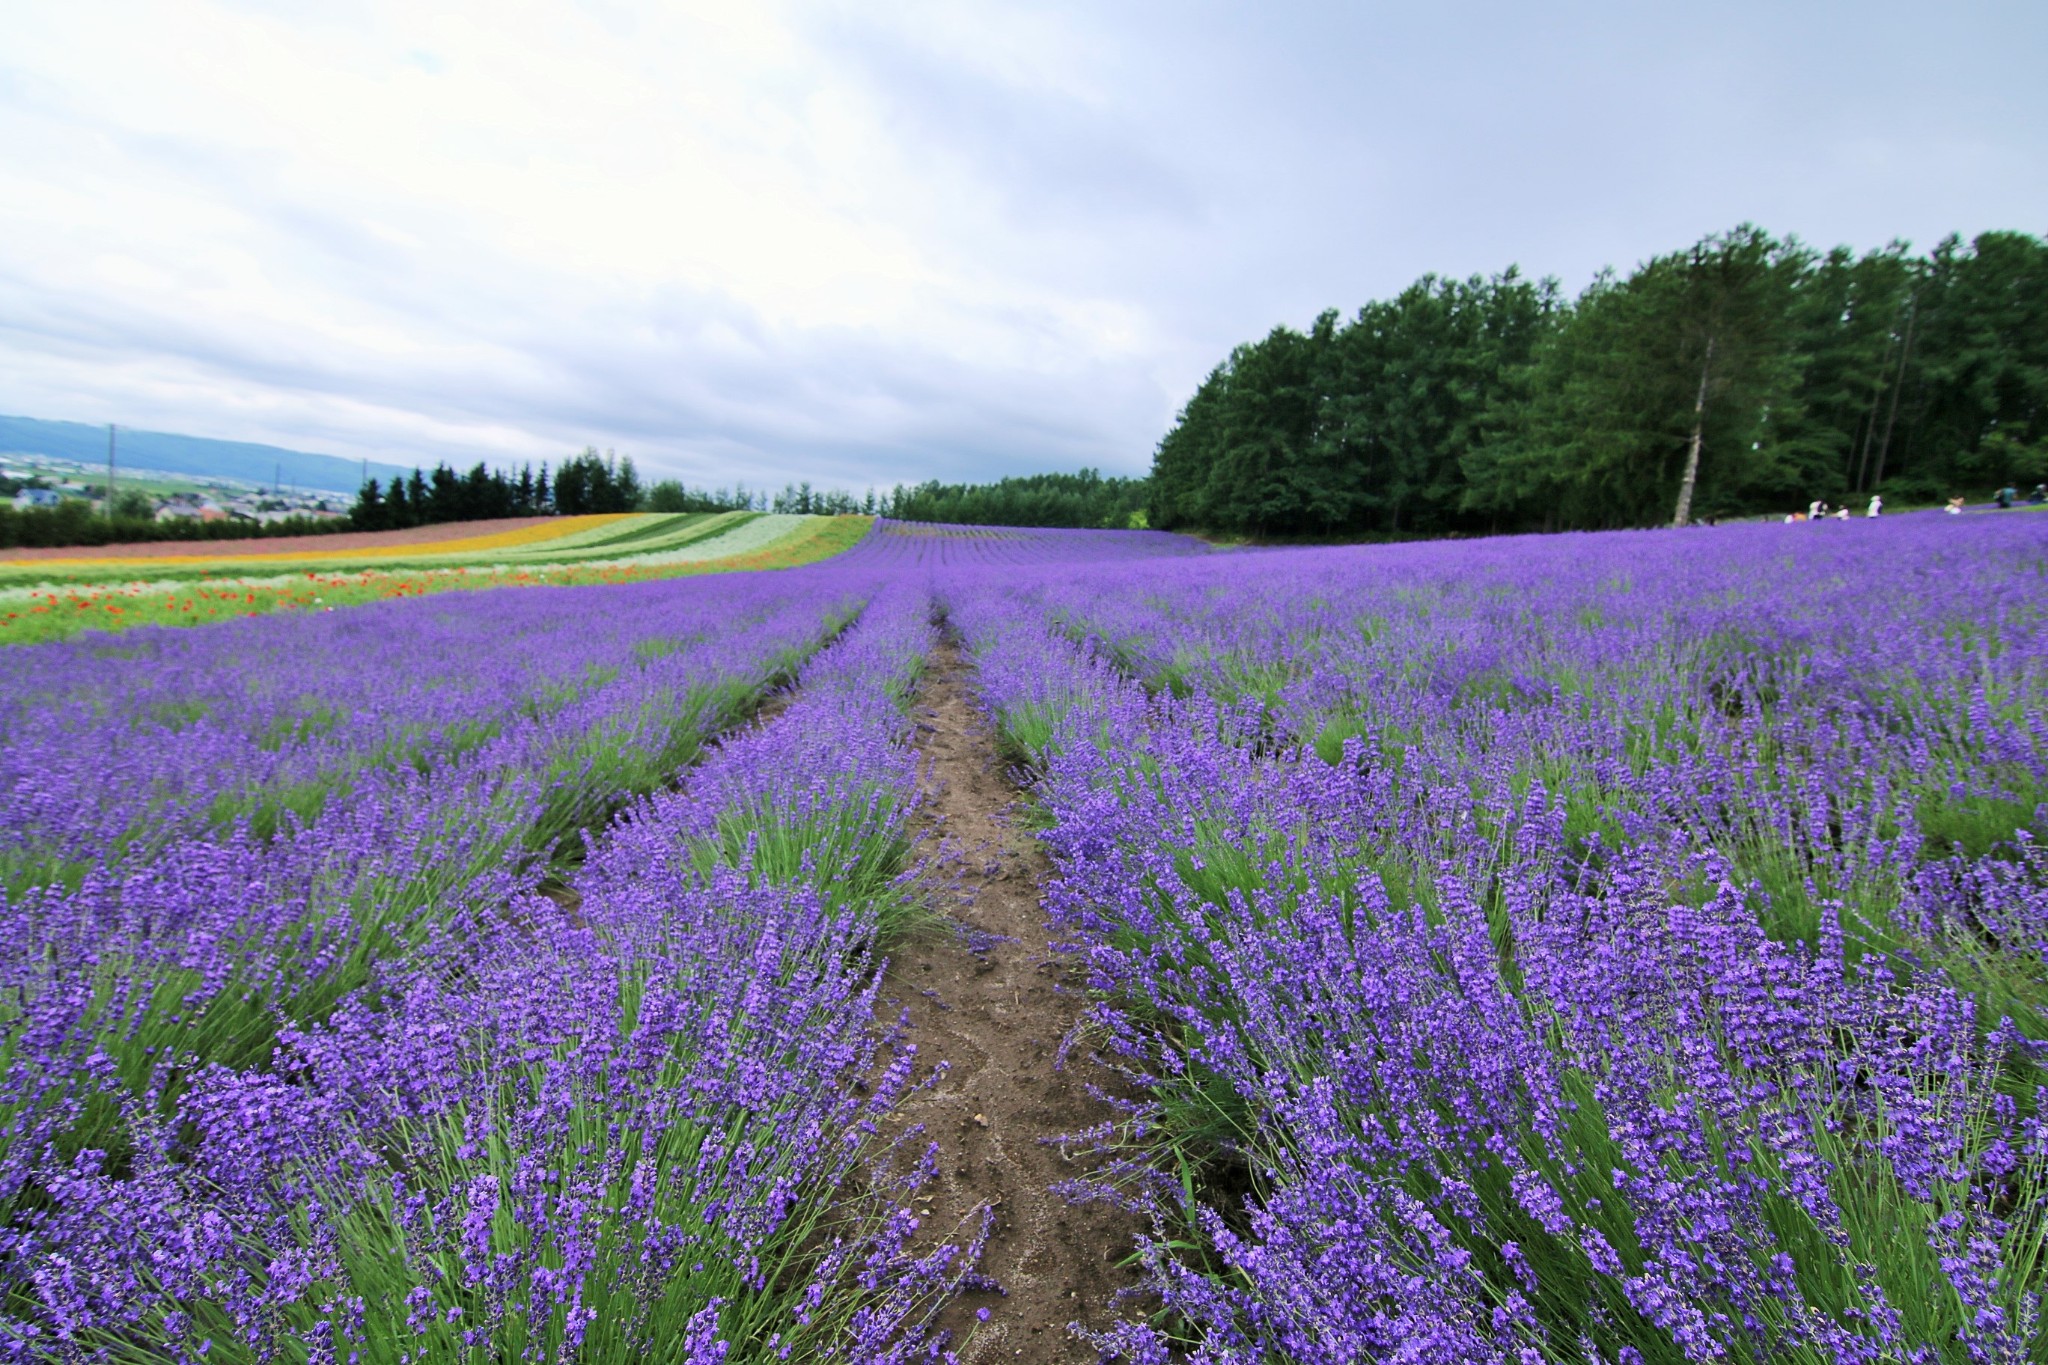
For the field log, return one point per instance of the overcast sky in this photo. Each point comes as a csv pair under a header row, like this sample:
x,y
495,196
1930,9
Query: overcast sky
x,y
868,242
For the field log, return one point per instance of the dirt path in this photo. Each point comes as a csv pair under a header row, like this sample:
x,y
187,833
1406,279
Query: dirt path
x,y
996,1016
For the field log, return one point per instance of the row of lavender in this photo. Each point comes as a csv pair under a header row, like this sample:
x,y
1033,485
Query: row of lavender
x,y
1620,948
347,1086
119,747
150,930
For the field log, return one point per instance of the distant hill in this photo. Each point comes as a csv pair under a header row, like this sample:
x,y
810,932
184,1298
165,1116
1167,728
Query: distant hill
x,y
244,460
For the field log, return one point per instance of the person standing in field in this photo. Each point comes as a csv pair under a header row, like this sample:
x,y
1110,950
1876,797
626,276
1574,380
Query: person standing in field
x,y
1955,507
1876,506
1816,509
2007,496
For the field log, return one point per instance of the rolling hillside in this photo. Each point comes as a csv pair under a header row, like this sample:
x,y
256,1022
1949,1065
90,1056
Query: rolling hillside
x,y
198,455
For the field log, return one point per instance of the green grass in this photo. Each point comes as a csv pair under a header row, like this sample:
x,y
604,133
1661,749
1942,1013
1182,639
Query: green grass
x,y
854,851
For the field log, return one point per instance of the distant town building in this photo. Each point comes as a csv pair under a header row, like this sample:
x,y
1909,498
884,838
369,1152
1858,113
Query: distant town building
x,y
185,505
37,497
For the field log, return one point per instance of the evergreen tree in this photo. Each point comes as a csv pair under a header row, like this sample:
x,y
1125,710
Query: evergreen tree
x,y
572,483
1263,475
1974,389
1744,374
625,490
1180,468
1084,499
1665,389
1364,427
1846,319
444,501
370,513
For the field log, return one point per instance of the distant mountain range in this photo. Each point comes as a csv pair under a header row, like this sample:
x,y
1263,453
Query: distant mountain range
x,y
197,455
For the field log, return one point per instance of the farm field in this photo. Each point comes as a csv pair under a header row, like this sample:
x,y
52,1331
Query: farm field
x,y
1626,947
52,594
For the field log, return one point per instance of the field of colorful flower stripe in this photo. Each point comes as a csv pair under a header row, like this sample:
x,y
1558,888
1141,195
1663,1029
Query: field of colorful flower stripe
x,y
38,604
1618,947
419,540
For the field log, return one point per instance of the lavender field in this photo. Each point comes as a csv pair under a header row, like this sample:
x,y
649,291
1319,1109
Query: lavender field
x,y
1619,947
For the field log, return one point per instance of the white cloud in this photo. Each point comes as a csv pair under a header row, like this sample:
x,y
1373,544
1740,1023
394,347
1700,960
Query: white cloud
x,y
858,243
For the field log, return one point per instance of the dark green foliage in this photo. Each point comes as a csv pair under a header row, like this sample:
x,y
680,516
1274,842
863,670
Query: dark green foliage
x,y
593,483
1605,427
1361,427
1085,499
590,483
76,522
803,500
1494,405
670,495
1974,389
1846,320
483,494
131,504
586,483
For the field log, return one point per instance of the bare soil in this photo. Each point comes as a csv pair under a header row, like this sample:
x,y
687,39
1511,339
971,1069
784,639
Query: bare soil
x,y
312,545
994,1001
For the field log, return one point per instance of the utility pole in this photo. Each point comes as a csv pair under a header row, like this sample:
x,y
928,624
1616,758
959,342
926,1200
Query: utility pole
x,y
110,471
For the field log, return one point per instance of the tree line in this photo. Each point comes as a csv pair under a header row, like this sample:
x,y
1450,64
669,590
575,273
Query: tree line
x,y
1744,374
78,522
1085,499
1082,499
592,483
585,483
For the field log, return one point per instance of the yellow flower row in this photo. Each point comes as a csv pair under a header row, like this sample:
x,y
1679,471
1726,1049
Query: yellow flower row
x,y
558,528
